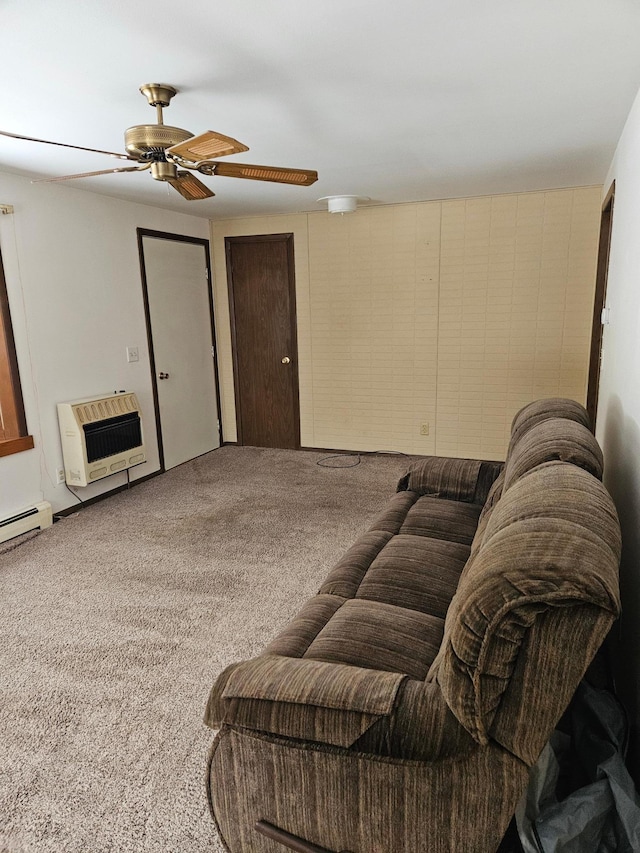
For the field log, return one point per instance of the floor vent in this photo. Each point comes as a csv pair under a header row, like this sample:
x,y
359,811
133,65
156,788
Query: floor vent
x,y
37,516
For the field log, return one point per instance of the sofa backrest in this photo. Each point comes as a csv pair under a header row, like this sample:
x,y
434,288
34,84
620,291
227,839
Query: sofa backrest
x,y
540,590
542,410
536,440
554,439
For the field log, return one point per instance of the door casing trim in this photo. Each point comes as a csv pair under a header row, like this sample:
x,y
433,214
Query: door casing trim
x,y
599,302
179,238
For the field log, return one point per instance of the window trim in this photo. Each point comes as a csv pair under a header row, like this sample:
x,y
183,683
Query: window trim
x,y
8,446
11,402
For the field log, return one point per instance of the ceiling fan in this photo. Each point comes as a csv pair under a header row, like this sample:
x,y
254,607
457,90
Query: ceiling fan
x,y
169,151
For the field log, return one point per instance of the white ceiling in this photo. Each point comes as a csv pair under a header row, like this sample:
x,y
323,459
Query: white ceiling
x,y
400,101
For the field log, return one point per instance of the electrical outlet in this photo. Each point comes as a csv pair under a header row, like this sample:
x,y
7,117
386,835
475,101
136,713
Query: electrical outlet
x,y
424,429
60,476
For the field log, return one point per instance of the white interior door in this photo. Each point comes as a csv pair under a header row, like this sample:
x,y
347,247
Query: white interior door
x,y
177,283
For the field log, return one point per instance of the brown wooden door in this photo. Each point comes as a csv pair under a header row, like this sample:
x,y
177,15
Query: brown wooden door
x,y
263,322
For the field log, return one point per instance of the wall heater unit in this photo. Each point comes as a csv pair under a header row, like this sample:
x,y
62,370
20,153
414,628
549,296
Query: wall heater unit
x,y
34,517
100,436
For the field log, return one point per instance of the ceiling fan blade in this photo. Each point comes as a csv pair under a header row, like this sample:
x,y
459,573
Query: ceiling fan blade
x,y
65,145
206,145
301,177
91,174
191,187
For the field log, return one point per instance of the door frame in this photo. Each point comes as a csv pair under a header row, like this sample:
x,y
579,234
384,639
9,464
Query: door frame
x,y
600,297
286,238
178,238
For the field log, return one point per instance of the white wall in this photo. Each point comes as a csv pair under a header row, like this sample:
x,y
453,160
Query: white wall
x,y
618,419
73,278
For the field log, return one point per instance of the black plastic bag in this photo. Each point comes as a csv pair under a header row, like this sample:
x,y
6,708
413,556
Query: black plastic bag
x,y
581,798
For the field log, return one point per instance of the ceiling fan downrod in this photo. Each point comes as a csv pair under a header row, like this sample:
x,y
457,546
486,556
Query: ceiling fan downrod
x,y
148,142
158,95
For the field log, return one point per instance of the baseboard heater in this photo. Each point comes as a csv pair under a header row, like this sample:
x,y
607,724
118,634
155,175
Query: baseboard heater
x,y
37,516
100,436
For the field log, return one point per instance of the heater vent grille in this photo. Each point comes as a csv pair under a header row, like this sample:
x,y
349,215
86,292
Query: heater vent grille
x,y
106,407
100,436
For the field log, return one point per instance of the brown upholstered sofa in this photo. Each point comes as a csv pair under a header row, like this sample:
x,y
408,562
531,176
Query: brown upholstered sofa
x,y
401,709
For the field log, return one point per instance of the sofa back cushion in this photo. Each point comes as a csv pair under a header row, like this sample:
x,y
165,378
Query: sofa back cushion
x,y
552,542
558,432
542,410
550,440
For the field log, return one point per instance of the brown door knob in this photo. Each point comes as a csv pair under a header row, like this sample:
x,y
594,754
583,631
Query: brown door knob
x,y
286,360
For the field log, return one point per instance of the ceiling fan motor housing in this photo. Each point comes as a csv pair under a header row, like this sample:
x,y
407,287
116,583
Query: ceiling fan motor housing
x,y
144,140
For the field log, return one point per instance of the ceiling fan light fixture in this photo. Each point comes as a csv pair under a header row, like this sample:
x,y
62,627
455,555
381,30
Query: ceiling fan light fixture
x,y
163,171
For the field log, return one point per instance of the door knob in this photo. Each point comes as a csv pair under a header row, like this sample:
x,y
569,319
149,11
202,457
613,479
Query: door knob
x,y
163,376
286,360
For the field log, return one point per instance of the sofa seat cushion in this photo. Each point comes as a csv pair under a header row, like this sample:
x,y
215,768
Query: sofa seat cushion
x,y
374,635
296,637
393,515
416,573
438,518
495,493
347,574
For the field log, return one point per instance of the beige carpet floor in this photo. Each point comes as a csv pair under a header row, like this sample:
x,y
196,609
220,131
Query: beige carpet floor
x,y
115,622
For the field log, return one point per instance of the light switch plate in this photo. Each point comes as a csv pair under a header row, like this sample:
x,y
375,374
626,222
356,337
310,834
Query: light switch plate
x,y
132,354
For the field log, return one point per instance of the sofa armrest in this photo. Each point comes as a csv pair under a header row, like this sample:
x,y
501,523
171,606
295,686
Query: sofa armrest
x,y
302,698
454,479
422,727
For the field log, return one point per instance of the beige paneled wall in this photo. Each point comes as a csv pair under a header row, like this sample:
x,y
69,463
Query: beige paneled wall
x,y
374,325
451,314
516,293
